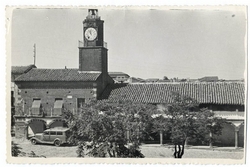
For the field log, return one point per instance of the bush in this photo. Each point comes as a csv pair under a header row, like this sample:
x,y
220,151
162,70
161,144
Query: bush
x,y
15,149
99,128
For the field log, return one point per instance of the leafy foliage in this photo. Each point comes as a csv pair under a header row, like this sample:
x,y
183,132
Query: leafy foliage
x,y
183,119
99,128
165,78
15,149
16,152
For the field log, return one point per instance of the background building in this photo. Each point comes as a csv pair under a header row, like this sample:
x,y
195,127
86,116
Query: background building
x,y
225,99
119,77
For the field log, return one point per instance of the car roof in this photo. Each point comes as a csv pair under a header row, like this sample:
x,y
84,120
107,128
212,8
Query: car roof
x,y
58,129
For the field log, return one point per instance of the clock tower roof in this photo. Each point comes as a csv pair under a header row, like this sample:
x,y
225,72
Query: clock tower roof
x,y
92,15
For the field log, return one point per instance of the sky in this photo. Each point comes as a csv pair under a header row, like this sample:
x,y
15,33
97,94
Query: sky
x,y
148,43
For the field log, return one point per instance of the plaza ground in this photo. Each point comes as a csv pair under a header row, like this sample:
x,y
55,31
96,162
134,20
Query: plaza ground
x,y
150,151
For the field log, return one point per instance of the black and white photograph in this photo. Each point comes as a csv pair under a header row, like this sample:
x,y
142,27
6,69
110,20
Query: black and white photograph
x,y
127,84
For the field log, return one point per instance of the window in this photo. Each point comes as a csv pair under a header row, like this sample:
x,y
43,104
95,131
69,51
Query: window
x,y
35,109
52,133
46,133
59,133
58,105
80,102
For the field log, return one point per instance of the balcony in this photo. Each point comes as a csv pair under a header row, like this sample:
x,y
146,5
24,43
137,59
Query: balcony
x,y
98,43
41,112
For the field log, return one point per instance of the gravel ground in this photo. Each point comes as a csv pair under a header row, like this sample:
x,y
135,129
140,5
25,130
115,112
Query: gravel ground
x,y
165,152
148,151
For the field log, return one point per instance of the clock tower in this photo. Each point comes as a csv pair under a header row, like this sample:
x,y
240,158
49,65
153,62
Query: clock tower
x,y
92,50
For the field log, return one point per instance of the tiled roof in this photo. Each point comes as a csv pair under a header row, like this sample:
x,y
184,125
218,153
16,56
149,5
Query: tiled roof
x,y
206,93
209,78
21,69
114,74
152,79
133,79
57,75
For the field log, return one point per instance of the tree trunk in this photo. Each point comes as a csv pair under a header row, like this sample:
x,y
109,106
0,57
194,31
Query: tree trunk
x,y
175,151
182,151
179,149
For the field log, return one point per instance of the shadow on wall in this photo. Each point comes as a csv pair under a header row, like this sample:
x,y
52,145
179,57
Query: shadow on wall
x,y
58,124
227,138
36,127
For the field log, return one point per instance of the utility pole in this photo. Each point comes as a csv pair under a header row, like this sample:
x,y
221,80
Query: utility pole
x,y
34,54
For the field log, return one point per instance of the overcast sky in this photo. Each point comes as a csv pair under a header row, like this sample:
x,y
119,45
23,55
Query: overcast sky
x,y
187,43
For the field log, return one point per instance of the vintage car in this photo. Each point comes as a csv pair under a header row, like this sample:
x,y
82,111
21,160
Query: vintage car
x,y
56,136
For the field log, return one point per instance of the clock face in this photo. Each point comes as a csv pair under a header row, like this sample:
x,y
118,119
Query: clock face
x,y
90,34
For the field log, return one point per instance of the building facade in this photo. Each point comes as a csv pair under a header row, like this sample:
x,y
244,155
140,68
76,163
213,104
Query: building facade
x,y
225,99
16,98
119,77
16,71
46,93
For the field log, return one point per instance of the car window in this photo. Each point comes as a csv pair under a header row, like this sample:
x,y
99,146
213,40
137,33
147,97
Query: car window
x,y
52,133
59,133
46,133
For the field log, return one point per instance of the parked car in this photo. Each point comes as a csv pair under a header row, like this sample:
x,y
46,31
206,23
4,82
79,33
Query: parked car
x,y
56,136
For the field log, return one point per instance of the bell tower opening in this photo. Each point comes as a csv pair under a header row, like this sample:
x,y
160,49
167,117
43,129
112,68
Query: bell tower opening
x,y
93,14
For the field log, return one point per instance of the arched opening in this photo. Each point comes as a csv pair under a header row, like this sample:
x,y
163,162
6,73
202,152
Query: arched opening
x,y
241,136
227,138
36,126
57,123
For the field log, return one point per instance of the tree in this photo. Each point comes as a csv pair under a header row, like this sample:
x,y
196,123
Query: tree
x,y
183,80
183,119
99,128
165,78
